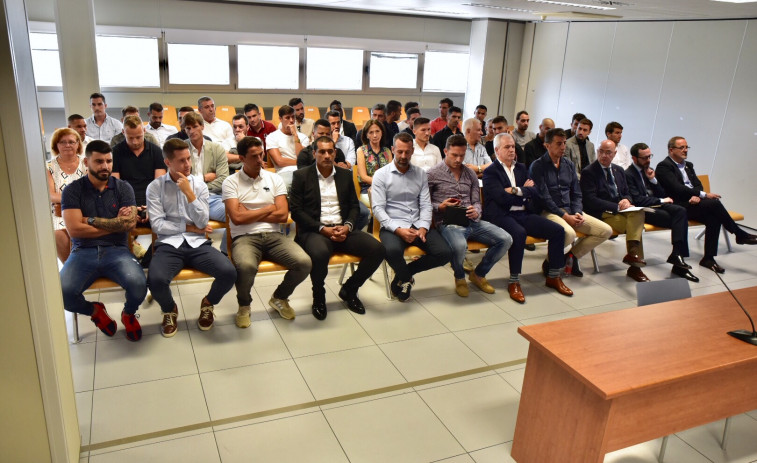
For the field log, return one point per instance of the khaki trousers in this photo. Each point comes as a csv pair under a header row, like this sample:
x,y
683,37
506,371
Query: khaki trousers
x,y
595,230
630,223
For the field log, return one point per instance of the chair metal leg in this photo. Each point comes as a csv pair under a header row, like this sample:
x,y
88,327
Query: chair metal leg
x,y
724,440
727,238
341,275
386,281
77,339
700,235
663,447
594,260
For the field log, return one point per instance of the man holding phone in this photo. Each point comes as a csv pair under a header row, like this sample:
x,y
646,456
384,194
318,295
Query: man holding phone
x,y
456,202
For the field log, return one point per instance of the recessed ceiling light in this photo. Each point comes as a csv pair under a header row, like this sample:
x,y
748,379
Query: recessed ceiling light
x,y
578,5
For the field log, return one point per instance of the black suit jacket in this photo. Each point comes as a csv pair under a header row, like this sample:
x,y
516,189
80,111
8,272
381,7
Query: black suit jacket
x,y
534,150
497,202
349,129
596,190
305,198
519,153
670,177
640,189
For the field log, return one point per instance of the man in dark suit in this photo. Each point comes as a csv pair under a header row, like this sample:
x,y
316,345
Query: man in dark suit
x,y
535,148
507,194
680,181
646,191
348,128
606,196
325,207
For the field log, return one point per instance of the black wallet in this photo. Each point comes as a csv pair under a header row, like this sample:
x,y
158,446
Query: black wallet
x,y
455,215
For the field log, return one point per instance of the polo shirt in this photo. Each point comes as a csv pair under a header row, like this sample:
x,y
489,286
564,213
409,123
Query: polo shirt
x,y
105,132
138,171
285,145
253,194
266,130
221,132
82,195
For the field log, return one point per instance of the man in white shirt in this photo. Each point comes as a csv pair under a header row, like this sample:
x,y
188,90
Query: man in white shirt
x,y
177,205
156,127
614,132
285,144
257,204
408,122
219,131
78,124
100,126
304,124
476,157
425,154
343,143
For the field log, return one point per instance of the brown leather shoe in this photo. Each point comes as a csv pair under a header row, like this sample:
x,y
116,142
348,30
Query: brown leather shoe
x,y
556,283
636,274
634,260
169,327
516,293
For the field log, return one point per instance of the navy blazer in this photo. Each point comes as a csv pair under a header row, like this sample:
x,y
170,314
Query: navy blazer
x,y
497,202
596,190
640,188
671,179
305,198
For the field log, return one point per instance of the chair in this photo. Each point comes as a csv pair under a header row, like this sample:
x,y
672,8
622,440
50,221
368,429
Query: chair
x,y
312,112
360,114
261,111
226,113
275,116
705,179
170,116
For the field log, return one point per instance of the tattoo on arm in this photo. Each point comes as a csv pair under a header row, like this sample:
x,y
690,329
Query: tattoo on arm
x,y
118,224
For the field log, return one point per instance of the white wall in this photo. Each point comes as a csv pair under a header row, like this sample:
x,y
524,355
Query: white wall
x,y
659,79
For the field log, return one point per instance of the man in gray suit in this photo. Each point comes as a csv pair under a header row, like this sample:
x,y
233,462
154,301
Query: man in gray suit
x,y
579,149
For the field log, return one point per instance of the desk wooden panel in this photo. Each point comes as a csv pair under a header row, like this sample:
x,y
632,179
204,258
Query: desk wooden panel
x,y
603,382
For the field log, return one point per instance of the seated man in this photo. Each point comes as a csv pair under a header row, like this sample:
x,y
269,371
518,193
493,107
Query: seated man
x,y
284,145
240,125
453,126
348,128
209,161
476,157
181,134
79,124
453,184
343,143
677,176
325,208
606,197
306,157
177,204
218,130
425,154
99,210
561,202
507,195
121,136
579,149
100,126
402,205
412,114
498,125
256,202
535,148
258,126
646,191
156,127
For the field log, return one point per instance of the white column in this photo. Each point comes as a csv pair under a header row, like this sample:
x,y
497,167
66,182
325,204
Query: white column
x,y
75,26
488,40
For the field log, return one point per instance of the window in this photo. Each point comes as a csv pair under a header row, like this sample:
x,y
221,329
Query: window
x,y
127,61
45,59
198,64
393,70
445,72
268,67
334,69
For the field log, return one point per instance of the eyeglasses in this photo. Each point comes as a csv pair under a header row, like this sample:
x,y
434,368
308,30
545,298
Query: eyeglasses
x,y
644,158
682,147
68,143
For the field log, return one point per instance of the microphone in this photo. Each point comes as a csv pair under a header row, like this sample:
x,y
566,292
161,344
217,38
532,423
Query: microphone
x,y
742,335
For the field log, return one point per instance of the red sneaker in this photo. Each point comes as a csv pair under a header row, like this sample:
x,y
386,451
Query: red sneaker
x,y
133,329
102,320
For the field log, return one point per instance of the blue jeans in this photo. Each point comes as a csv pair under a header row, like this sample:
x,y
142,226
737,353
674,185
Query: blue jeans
x,y
218,213
495,238
85,265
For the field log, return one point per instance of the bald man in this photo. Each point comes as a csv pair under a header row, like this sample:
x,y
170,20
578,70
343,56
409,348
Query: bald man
x,y
536,148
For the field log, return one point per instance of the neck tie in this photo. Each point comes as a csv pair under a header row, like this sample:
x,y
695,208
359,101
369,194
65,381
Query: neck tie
x,y
644,183
611,183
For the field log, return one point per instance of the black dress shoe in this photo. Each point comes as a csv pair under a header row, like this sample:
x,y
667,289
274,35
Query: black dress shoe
x,y
545,268
712,265
684,273
319,309
530,247
575,270
678,261
746,239
353,303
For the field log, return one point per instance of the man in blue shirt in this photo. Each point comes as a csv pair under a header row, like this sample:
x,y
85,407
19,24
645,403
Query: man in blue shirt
x,y
177,204
401,203
99,210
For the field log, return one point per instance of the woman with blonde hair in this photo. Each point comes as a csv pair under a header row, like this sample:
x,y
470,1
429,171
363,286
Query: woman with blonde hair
x,y
64,168
371,156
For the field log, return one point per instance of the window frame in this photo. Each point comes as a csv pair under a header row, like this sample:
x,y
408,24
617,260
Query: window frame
x,y
367,72
161,82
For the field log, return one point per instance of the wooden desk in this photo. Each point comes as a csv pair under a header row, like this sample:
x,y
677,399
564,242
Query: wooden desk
x,y
604,382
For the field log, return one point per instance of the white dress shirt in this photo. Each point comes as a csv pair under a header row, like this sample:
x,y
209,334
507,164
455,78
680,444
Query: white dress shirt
x,y
348,148
220,132
622,157
170,212
427,157
162,132
510,172
330,211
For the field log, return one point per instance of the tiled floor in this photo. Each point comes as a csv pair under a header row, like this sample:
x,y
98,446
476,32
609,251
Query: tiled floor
x,y
337,390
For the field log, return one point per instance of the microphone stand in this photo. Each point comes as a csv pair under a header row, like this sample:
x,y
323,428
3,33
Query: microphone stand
x,y
742,335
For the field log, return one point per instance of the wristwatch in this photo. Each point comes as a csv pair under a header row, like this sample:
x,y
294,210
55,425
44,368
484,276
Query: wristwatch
x,y
91,221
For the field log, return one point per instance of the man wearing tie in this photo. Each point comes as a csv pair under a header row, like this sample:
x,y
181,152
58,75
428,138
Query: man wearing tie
x,y
606,196
646,191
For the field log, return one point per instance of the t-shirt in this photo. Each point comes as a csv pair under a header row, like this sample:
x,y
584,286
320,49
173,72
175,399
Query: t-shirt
x,y
285,145
82,195
138,171
253,194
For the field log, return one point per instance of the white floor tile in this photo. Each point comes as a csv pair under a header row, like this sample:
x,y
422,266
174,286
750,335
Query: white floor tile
x,y
256,388
479,413
587,293
460,313
194,449
306,335
227,346
538,303
301,438
431,356
301,299
396,429
514,378
677,451
741,444
348,372
496,343
136,409
396,321
552,318
84,413
499,453
435,282
464,458
87,329
83,365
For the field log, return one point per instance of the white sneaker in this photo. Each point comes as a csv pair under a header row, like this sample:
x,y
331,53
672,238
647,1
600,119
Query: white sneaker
x,y
243,316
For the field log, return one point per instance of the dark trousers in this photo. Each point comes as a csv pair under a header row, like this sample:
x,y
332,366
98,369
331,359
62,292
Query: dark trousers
x,y
320,250
436,248
522,224
168,261
674,217
712,214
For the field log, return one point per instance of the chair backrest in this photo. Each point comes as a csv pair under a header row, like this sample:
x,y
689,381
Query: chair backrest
x,y
653,292
312,112
261,111
705,179
360,114
170,116
356,182
275,116
226,113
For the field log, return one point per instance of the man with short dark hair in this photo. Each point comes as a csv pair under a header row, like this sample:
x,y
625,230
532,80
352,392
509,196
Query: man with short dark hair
x,y
535,148
453,126
181,134
343,143
407,124
241,127
99,211
480,114
614,132
452,184
412,115
498,126
577,117
210,162
177,203
100,126
304,124
284,145
348,129
425,154
306,157
440,122
521,134
402,205
258,127
579,149
325,208
218,130
156,127
257,205
119,137
79,124
393,113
